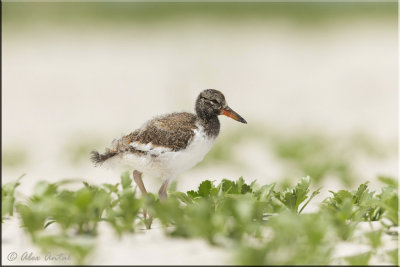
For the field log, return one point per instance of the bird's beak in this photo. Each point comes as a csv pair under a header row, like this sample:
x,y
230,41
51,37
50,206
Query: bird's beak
x,y
227,111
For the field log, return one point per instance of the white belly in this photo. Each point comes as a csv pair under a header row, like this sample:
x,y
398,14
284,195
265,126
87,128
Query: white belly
x,y
180,161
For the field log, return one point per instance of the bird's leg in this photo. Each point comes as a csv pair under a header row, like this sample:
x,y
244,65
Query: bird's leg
x,y
162,193
137,177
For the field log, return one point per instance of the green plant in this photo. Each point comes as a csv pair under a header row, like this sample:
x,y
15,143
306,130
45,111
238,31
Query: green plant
x,y
292,198
260,224
8,198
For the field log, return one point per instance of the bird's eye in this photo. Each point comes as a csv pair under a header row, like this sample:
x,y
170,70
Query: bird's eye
x,y
214,101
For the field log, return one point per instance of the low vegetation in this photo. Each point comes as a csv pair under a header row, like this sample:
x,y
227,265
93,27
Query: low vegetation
x,y
258,223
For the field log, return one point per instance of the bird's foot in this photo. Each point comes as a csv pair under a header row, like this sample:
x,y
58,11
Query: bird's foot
x,y
148,222
147,219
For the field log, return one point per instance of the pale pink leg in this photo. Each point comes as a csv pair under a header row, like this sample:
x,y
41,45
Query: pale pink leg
x,y
162,193
137,177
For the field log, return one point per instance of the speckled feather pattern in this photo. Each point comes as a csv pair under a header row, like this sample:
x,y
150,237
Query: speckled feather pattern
x,y
173,131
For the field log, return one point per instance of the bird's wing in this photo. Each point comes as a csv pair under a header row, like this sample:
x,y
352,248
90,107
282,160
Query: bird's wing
x,y
171,132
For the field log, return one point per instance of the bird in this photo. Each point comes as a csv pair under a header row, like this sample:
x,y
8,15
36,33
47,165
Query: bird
x,y
169,144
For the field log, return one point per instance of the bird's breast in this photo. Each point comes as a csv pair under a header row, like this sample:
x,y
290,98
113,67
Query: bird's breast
x,y
197,148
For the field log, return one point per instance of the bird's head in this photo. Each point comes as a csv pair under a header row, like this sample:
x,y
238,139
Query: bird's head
x,y
211,102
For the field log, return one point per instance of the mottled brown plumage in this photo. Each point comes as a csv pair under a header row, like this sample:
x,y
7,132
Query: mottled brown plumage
x,y
173,130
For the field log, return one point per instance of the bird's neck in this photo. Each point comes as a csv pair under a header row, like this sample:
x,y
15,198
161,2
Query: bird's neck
x,y
211,125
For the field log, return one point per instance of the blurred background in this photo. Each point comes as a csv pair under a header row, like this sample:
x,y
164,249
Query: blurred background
x,y
317,83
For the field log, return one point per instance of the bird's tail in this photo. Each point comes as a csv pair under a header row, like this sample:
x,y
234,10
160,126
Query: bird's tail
x,y
99,159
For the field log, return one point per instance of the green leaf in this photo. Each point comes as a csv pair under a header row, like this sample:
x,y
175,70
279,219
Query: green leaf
x,y
341,196
181,196
49,223
126,182
79,249
301,190
390,181
205,188
265,192
316,192
8,198
288,198
292,198
173,186
43,188
192,194
374,238
112,188
388,201
32,218
360,259
227,186
360,194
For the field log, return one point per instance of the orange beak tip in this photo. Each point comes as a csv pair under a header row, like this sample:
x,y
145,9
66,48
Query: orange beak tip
x,y
232,114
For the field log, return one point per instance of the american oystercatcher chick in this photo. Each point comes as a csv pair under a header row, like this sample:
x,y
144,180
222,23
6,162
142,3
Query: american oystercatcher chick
x,y
169,144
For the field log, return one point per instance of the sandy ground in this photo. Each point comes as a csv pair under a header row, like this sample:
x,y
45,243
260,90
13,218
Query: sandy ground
x,y
106,82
